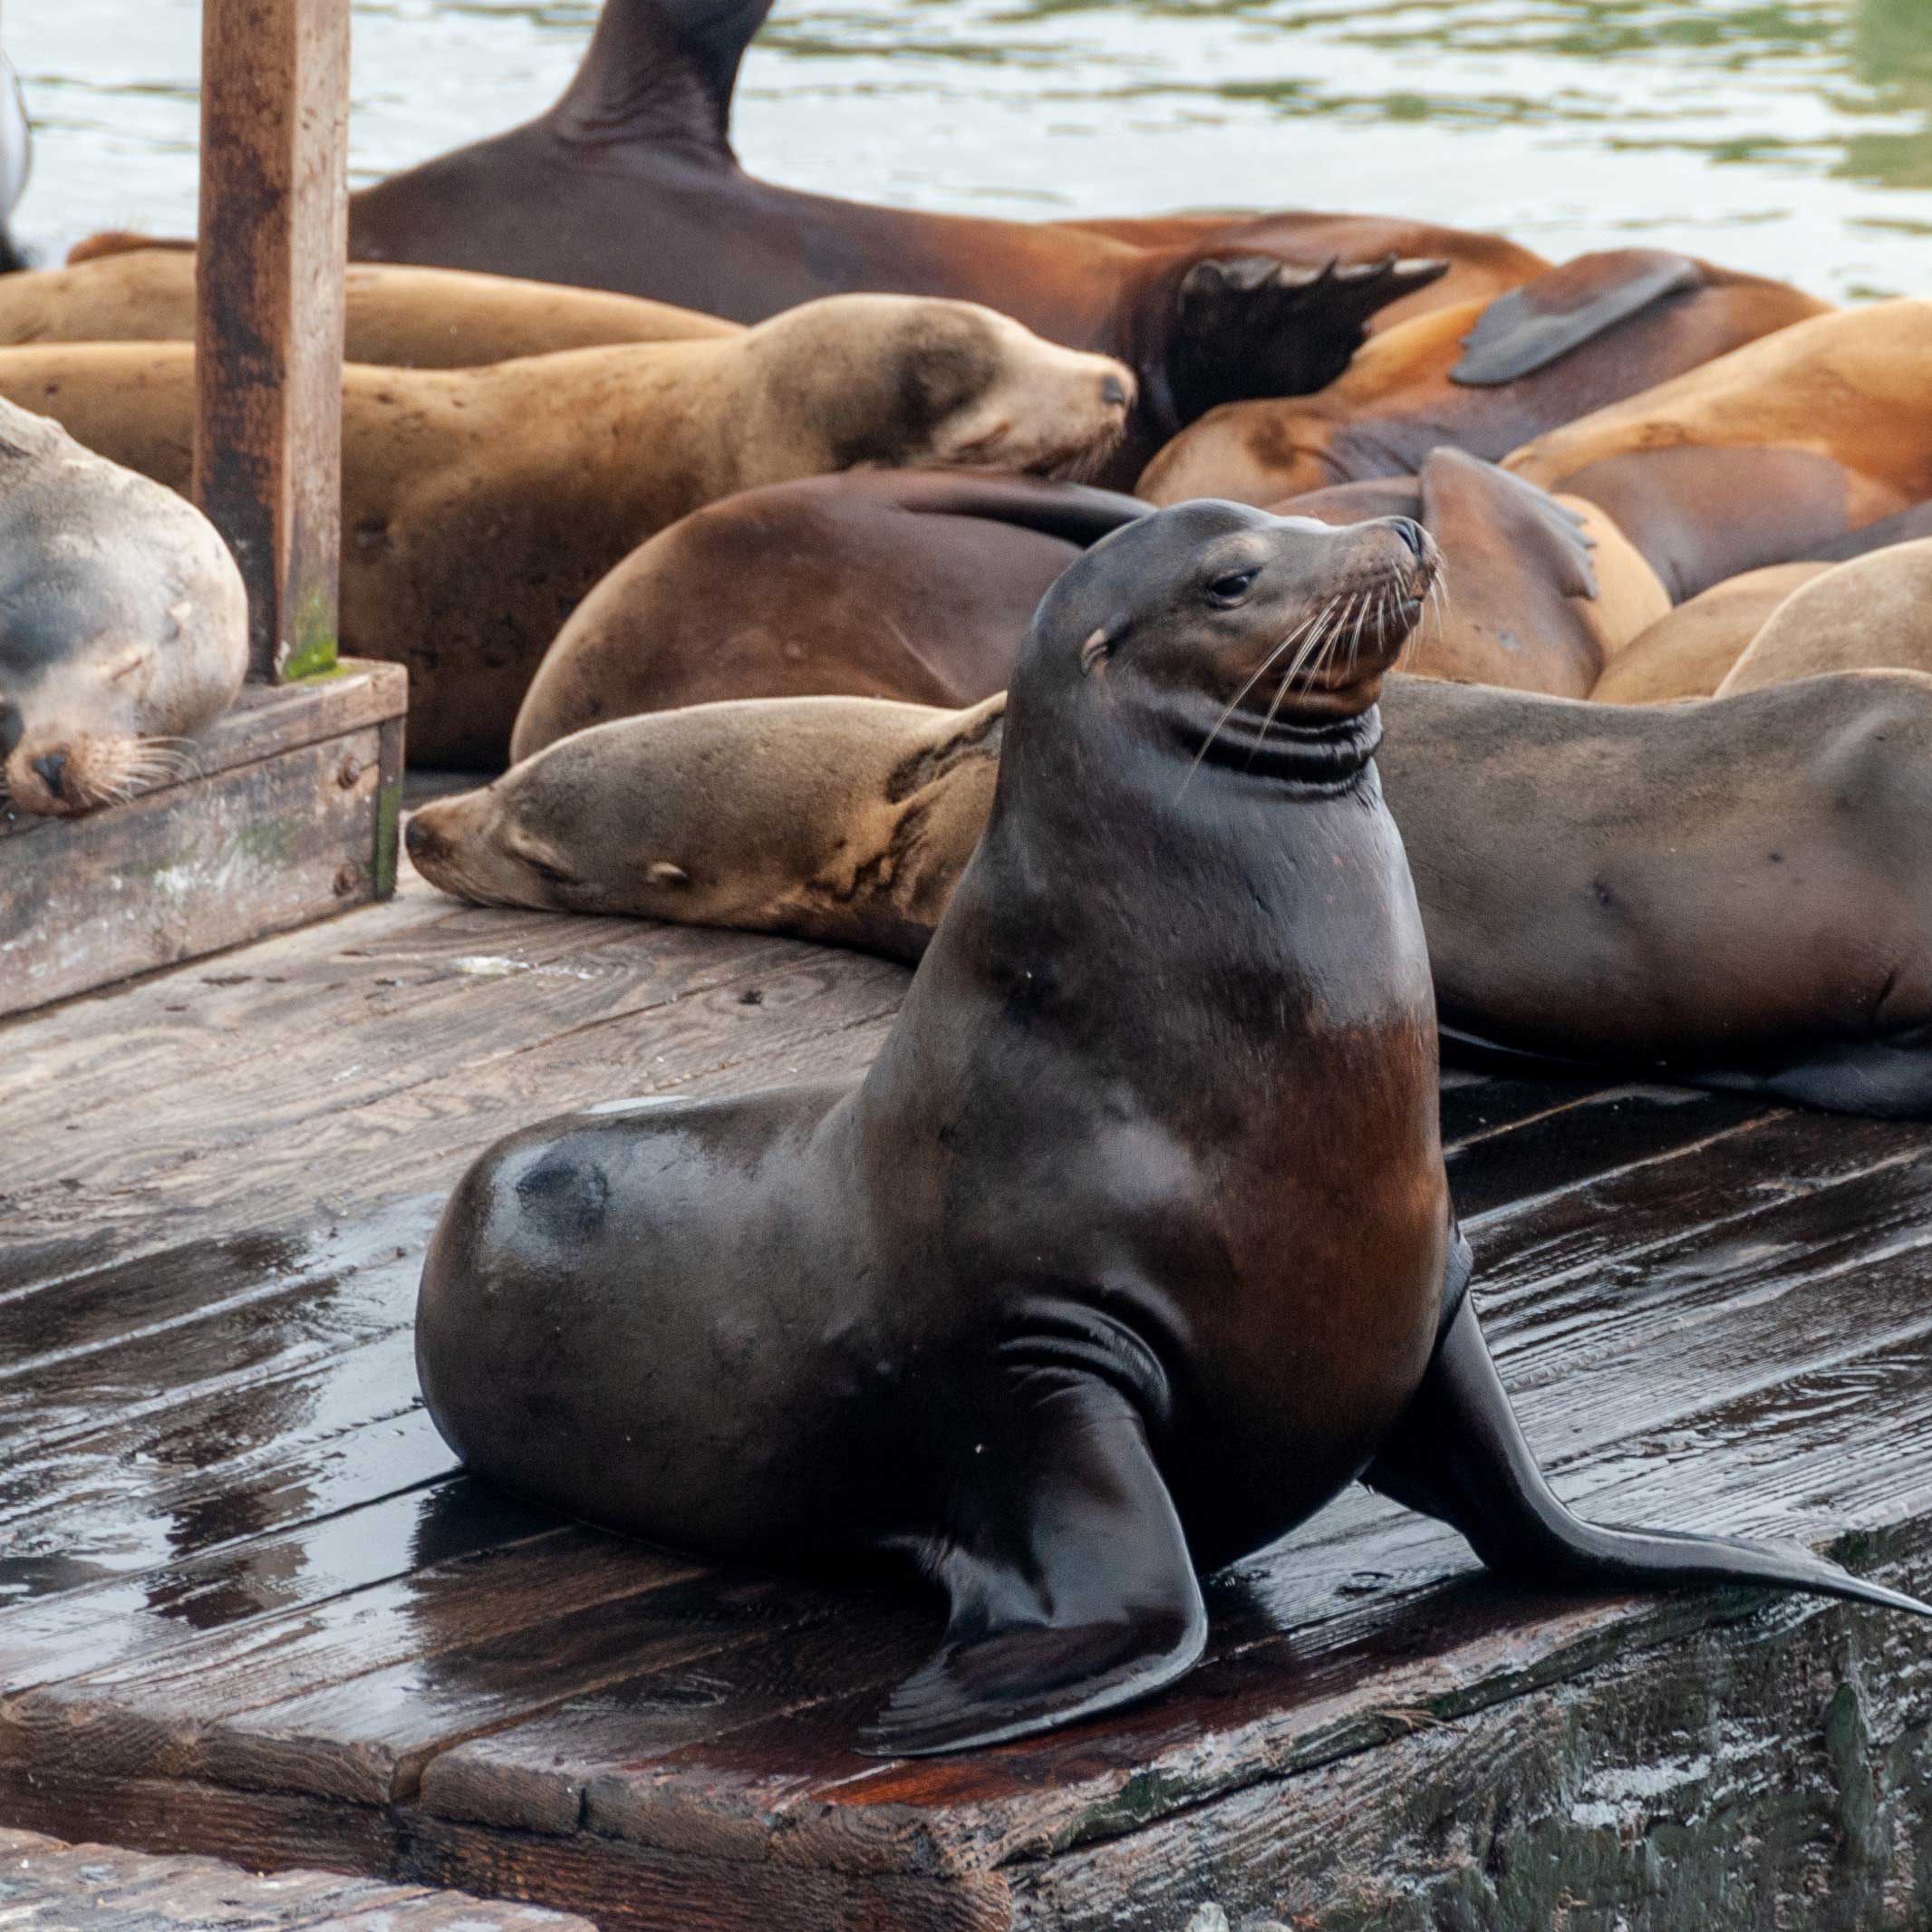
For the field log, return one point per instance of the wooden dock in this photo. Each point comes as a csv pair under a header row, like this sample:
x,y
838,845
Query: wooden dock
x,y
248,1610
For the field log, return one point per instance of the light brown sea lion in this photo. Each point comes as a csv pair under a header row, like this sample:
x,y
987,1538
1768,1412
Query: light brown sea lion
x,y
1543,592
1688,651
1874,613
899,585
479,505
1483,377
1135,1245
403,318
123,623
1764,454
1730,891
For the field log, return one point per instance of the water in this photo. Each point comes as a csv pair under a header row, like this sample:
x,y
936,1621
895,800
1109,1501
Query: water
x,y
1794,139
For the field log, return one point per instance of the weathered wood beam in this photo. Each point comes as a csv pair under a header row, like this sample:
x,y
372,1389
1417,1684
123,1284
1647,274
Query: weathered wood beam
x,y
268,327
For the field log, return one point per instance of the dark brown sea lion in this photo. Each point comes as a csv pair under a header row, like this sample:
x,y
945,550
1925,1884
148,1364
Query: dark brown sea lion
x,y
1688,653
1764,456
898,586
629,182
1543,592
1872,613
401,317
1480,377
1133,1248
1731,892
123,623
481,505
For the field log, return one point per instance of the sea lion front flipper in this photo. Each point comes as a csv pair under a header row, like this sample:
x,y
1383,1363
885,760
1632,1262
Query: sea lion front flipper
x,y
1071,1587
1459,1454
1251,325
1545,319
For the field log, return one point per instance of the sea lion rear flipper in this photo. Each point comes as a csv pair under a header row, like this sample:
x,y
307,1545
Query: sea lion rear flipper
x,y
1251,325
1531,326
1072,1590
1458,1454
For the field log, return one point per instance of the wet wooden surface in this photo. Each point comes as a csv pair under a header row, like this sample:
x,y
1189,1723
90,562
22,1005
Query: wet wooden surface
x,y
248,1609
48,1887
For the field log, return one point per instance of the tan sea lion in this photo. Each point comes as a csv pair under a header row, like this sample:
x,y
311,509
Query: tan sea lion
x,y
1484,376
896,584
1873,614
1135,1245
1688,651
479,505
1543,592
123,623
1764,455
403,318
1731,892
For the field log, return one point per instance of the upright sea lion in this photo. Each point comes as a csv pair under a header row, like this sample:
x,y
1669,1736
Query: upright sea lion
x,y
1687,653
1873,614
479,505
1483,377
1732,892
629,182
403,318
1544,592
1766,454
899,585
123,623
1096,1275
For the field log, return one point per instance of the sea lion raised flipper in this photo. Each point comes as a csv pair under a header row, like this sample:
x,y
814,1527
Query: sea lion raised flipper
x,y
1072,1590
1459,1454
1249,325
656,70
1531,327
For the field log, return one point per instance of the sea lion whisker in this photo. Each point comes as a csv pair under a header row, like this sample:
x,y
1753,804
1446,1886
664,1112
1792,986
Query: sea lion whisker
x,y
1234,702
1287,679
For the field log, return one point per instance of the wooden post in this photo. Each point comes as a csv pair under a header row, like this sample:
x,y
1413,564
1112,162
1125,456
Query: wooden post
x,y
268,323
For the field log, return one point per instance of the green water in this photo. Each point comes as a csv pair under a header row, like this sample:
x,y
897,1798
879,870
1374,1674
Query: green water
x,y
1794,139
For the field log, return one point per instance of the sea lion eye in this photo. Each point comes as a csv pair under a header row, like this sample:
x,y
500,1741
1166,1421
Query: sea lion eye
x,y
1233,587
551,875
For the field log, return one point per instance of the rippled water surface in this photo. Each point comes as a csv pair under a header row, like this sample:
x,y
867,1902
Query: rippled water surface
x,y
1793,138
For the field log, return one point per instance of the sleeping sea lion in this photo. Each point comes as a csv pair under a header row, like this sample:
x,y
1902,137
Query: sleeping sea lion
x,y
1688,652
124,623
479,505
629,182
403,318
1729,892
1873,614
1097,1278
1764,454
1483,377
897,585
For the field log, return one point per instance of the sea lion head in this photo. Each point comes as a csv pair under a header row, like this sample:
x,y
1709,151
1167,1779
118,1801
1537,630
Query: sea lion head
x,y
105,661
904,382
1223,624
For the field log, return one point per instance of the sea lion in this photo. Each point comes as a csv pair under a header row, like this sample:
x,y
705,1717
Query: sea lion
x,y
1544,592
123,623
16,163
403,318
1483,377
1688,652
479,505
1079,1289
1764,454
629,182
1873,614
898,586
1729,892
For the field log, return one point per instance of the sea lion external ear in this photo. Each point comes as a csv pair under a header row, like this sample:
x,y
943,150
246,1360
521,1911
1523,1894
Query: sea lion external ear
x,y
1529,328
1249,325
1095,647
1458,1454
1071,1588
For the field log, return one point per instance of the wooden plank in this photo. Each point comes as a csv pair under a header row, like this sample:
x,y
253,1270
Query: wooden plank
x,y
268,312
294,820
